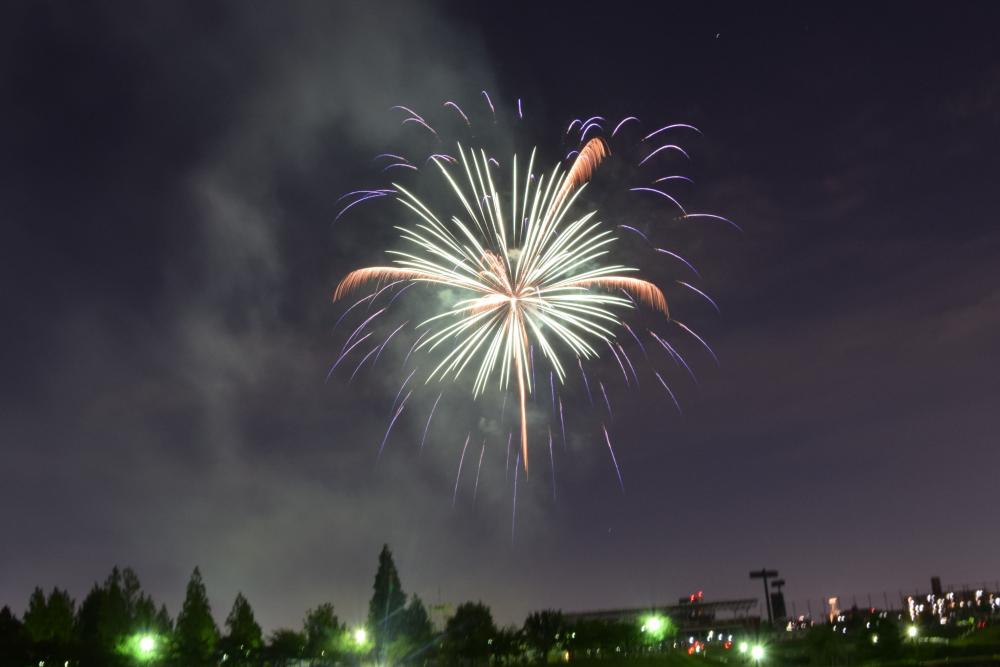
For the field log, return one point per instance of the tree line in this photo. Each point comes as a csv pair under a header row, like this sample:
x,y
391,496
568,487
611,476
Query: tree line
x,y
118,624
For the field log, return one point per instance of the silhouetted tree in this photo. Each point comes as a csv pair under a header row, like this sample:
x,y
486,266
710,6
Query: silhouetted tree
x,y
49,620
414,636
470,633
162,621
324,634
285,647
13,642
508,646
196,634
542,632
387,603
243,638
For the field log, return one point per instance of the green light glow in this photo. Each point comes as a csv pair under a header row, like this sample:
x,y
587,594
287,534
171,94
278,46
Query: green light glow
x,y
757,652
655,627
143,647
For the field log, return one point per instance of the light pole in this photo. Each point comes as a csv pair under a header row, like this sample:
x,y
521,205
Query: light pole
x,y
766,574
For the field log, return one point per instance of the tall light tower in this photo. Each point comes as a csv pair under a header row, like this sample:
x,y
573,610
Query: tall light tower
x,y
766,574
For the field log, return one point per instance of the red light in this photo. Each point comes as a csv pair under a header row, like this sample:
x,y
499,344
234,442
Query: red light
x,y
728,645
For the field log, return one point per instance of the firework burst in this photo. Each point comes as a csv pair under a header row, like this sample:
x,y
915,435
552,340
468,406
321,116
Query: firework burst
x,y
533,267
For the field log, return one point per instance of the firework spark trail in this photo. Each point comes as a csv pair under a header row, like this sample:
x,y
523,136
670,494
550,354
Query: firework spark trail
x,y
661,193
382,346
503,408
392,422
461,113
562,423
670,127
475,489
490,102
356,304
401,388
345,353
385,288
373,195
400,292
606,401
620,365
531,361
458,476
702,294
408,110
676,356
639,342
635,231
574,123
590,126
422,123
552,466
623,121
673,178
669,392
520,112
428,424
699,339
665,147
680,259
552,388
614,459
513,512
412,347
392,156
362,326
400,165
510,437
713,217
586,383
362,362
629,362
379,191
440,156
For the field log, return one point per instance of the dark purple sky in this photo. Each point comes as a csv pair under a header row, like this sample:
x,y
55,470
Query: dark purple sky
x,y
169,177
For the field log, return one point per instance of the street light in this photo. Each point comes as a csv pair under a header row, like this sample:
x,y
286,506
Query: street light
x,y
743,647
654,624
142,647
911,632
757,653
147,644
655,627
360,636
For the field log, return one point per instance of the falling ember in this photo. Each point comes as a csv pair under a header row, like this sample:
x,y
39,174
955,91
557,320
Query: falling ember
x,y
479,468
614,459
458,475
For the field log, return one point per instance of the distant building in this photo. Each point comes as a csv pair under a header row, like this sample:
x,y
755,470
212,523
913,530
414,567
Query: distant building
x,y
972,606
692,615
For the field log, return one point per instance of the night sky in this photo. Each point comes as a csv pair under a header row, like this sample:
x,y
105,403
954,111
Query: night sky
x,y
169,175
